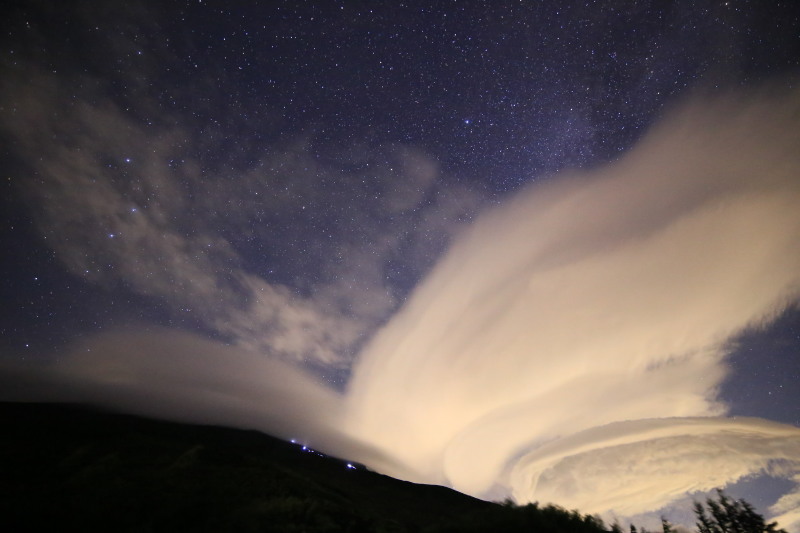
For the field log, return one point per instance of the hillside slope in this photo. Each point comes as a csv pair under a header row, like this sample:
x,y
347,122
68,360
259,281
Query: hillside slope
x,y
72,468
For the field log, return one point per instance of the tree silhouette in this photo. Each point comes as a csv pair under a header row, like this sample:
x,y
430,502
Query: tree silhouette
x,y
725,515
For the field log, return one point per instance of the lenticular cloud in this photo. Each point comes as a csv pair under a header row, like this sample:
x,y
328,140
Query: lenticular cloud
x,y
637,466
568,348
601,303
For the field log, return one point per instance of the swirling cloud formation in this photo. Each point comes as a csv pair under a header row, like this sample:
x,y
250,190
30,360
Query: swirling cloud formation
x,y
570,345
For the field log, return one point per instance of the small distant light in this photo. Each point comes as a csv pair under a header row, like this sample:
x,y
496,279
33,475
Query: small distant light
x,y
305,448
127,159
350,466
294,441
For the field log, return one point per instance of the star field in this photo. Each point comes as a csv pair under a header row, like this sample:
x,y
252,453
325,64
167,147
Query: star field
x,y
281,177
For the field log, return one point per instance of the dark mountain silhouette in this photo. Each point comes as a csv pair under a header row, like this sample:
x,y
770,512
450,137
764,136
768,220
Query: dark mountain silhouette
x,y
71,468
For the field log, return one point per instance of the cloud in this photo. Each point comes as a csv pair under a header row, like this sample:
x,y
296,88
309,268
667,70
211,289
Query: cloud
x,y
271,246
181,376
637,466
595,299
786,511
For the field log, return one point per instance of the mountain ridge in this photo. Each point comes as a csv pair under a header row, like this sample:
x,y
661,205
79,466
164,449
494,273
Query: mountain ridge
x,y
83,468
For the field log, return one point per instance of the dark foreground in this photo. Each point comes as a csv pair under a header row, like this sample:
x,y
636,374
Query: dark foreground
x,y
68,468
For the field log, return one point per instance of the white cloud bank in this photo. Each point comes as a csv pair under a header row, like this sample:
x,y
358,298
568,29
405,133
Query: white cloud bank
x,y
597,303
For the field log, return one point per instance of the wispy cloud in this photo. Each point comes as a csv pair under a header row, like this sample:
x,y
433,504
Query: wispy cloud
x,y
269,246
786,510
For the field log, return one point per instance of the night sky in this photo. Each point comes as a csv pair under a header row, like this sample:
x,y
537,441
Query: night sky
x,y
246,211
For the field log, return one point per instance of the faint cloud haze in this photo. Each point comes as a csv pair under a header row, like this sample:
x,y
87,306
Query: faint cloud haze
x,y
176,375
126,202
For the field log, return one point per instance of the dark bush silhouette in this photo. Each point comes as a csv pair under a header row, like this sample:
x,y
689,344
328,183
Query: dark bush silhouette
x,y
725,515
